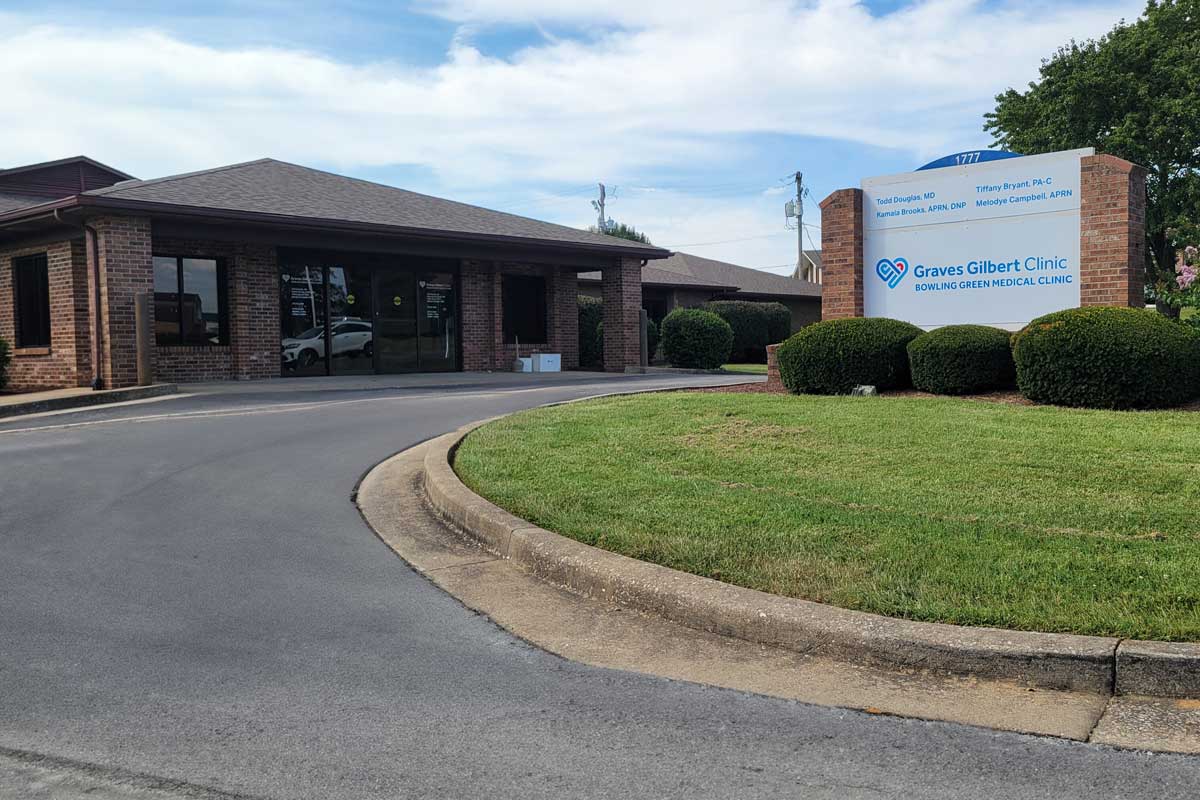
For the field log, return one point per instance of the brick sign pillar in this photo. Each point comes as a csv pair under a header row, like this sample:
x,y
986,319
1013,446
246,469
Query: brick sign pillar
x,y
842,254
622,290
1112,232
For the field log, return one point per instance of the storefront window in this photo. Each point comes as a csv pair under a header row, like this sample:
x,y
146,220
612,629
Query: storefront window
x,y
379,313
189,302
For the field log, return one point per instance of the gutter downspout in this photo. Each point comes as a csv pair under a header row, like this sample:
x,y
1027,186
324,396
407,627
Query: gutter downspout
x,y
98,327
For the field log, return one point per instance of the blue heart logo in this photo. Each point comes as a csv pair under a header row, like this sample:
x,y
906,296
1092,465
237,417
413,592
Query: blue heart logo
x,y
891,271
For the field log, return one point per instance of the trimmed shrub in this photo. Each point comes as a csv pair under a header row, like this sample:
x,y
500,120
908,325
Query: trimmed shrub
x,y
694,338
834,356
5,354
751,333
1107,357
591,334
779,323
755,325
959,359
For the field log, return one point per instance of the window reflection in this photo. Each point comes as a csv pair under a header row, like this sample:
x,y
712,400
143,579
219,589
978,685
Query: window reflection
x,y
302,316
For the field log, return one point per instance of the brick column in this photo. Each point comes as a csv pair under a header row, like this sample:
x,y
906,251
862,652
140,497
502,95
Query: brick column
x,y
774,379
126,270
477,281
622,289
564,316
842,254
254,312
1112,232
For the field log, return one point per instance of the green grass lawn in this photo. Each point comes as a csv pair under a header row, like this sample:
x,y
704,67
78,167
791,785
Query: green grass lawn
x,y
751,369
941,509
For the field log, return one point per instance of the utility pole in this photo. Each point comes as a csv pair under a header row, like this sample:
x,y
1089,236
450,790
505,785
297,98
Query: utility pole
x,y
795,208
802,268
601,220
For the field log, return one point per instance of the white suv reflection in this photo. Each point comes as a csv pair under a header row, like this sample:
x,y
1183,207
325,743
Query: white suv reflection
x,y
351,337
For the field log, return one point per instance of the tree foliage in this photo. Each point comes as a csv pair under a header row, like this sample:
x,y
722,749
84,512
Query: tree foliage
x,y
623,231
1134,93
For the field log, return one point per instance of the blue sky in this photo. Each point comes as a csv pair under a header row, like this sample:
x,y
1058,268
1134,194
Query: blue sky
x,y
693,113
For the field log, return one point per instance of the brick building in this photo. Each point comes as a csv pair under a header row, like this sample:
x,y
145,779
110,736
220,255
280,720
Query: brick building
x,y
266,268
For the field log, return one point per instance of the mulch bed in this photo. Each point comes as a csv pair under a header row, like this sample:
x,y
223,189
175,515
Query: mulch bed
x,y
742,388
1006,396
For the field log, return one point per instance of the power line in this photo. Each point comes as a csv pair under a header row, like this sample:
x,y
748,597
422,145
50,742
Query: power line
x,y
728,241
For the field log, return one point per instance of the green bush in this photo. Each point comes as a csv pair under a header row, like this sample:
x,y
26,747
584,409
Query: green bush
x,y
4,357
749,324
959,359
1107,357
755,325
694,338
779,322
651,340
591,334
834,356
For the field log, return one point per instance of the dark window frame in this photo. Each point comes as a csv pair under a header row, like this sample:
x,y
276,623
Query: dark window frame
x,y
43,336
222,300
514,321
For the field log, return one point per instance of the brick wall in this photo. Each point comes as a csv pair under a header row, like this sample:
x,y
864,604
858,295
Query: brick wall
x,y
622,285
482,309
842,254
252,303
67,361
1112,235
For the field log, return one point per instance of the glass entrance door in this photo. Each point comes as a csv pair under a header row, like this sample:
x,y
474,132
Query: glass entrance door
x,y
436,323
395,342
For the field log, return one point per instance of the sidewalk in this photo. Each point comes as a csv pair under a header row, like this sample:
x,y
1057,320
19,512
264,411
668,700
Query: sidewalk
x,y
21,403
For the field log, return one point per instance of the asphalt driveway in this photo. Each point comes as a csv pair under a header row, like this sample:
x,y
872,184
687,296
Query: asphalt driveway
x,y
187,591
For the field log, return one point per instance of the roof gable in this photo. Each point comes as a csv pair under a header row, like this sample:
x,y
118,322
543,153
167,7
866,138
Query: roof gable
x,y
56,179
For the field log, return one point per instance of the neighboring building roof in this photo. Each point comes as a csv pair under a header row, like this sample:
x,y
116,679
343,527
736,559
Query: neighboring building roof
x,y
684,269
748,281
653,276
277,189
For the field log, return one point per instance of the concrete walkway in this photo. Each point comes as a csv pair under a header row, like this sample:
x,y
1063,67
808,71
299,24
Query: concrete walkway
x,y
21,403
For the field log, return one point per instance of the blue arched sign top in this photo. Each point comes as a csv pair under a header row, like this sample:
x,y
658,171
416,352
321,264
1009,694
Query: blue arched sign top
x,y
969,157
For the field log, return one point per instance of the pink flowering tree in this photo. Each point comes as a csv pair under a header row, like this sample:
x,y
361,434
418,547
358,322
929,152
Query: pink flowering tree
x,y
1179,288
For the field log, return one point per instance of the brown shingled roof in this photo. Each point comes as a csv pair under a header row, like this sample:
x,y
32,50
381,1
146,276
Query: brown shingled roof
x,y
270,187
684,269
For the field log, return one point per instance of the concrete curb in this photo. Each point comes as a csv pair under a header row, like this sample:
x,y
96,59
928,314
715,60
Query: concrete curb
x,y
1101,665
102,397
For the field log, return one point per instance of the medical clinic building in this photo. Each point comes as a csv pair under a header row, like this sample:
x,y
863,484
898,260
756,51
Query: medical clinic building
x,y
269,269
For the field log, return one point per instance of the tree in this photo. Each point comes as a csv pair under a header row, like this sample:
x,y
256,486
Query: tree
x,y
623,231
1134,93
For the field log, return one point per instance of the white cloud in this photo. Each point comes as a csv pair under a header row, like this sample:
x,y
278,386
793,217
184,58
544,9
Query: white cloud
x,y
651,86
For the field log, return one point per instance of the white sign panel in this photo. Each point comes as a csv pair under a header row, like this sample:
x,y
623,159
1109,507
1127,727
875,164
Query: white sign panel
x,y
995,243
